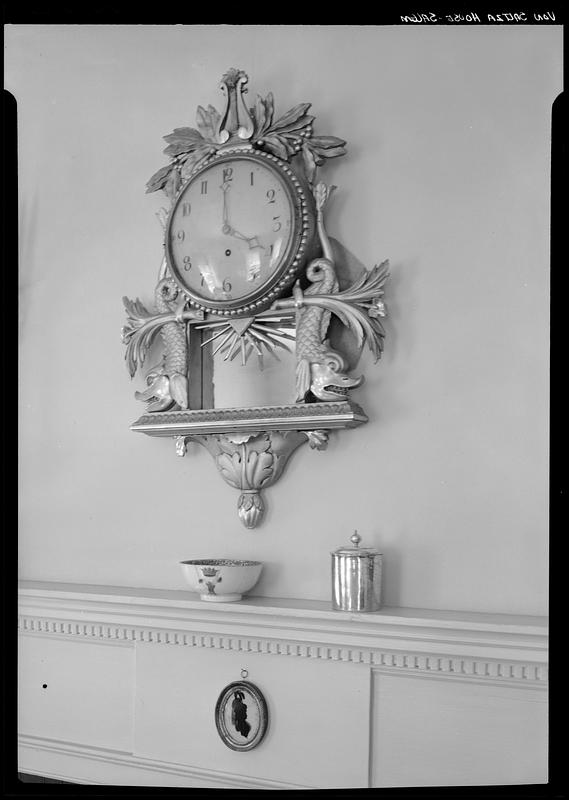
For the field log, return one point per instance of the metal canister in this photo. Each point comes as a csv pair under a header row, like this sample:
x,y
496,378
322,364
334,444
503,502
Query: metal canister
x,y
356,577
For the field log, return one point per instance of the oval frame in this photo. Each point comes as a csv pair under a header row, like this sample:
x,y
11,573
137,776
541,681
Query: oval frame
x,y
298,250
252,694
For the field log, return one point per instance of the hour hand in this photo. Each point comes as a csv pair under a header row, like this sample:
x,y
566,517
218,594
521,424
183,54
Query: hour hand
x,y
232,232
252,241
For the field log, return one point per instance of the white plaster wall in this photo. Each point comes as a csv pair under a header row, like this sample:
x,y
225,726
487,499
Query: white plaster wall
x,y
447,175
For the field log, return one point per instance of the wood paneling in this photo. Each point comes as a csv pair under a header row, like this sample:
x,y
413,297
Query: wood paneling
x,y
318,712
120,686
436,732
76,691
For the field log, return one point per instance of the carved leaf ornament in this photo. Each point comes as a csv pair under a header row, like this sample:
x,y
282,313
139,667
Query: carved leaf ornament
x,y
135,335
245,467
359,307
250,463
290,135
141,328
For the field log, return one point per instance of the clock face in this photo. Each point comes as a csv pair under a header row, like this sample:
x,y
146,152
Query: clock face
x,y
234,230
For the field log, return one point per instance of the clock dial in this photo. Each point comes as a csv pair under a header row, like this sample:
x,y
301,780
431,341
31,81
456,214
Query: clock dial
x,y
231,230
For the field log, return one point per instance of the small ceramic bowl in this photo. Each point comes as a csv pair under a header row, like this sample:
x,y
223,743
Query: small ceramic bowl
x,y
221,580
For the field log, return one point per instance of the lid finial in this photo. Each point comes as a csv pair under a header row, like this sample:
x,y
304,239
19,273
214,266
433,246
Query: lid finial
x,y
356,539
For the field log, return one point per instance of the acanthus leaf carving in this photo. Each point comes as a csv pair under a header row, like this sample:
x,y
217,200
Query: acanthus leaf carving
x,y
262,114
318,440
251,465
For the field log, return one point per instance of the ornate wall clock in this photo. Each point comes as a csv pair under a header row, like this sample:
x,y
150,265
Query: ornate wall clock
x,y
248,268
238,232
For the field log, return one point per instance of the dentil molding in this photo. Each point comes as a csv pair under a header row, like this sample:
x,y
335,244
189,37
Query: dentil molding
x,y
504,649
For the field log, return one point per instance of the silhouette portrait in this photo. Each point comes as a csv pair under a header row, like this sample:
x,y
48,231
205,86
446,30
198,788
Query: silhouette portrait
x,y
239,714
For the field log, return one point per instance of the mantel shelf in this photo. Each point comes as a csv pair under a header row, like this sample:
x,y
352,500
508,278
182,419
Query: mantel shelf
x,y
287,607
460,659
398,637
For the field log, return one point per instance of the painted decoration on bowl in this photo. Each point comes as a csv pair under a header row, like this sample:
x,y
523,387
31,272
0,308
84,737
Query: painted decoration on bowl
x,y
221,580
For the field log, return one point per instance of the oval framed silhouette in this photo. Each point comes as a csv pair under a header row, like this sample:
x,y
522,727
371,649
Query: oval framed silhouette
x,y
241,715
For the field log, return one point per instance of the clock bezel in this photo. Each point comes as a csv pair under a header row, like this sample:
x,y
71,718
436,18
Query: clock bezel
x,y
298,249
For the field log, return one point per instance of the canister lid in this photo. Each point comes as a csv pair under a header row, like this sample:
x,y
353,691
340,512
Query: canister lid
x,y
356,550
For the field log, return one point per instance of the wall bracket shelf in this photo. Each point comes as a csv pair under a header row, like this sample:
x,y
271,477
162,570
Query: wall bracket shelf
x,y
251,446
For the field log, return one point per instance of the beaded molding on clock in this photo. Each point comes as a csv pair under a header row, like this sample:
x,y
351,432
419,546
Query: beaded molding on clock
x,y
302,238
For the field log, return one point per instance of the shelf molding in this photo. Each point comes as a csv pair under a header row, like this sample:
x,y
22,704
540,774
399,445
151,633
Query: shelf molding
x,y
492,649
297,417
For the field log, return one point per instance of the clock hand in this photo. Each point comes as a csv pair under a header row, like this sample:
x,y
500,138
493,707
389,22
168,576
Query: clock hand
x,y
229,230
226,228
232,232
257,243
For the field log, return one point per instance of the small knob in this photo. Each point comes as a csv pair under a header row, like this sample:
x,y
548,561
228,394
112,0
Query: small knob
x,y
356,539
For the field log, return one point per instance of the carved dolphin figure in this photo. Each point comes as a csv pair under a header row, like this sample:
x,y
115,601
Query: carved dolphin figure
x,y
157,395
168,384
329,381
320,369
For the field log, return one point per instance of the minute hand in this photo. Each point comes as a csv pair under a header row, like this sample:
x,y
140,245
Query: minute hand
x,y
225,226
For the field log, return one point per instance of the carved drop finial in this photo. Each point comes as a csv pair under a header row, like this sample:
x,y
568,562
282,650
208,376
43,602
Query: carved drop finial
x,y
250,508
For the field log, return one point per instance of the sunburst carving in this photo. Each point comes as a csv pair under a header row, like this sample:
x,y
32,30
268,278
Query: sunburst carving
x,y
246,336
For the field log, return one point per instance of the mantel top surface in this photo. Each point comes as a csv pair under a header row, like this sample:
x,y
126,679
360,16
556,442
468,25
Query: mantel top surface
x,y
285,607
